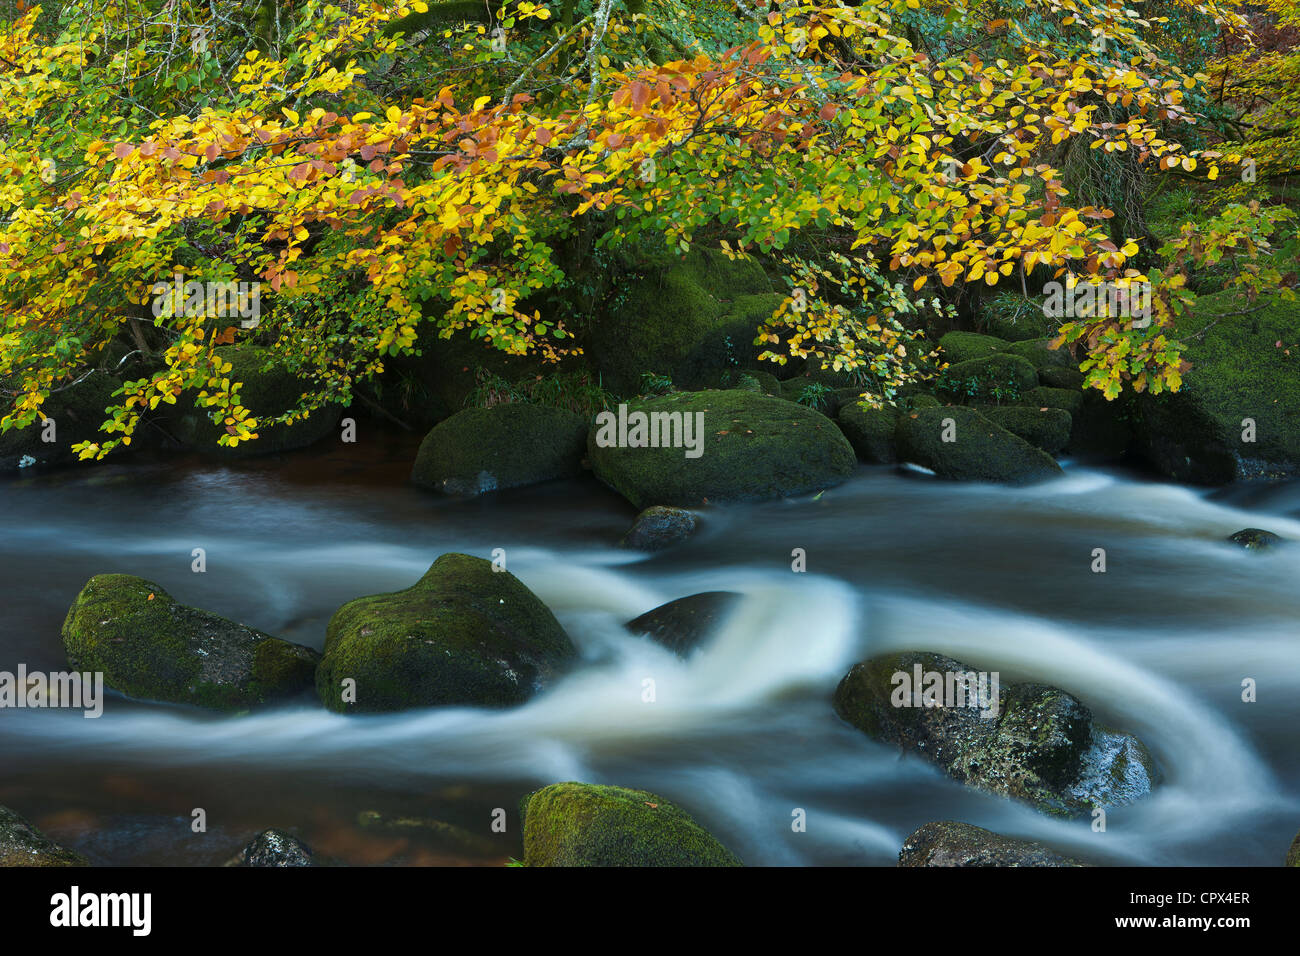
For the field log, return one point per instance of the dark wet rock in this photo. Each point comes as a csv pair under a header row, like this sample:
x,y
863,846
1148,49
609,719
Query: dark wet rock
x,y
1045,428
463,634
151,647
660,527
580,824
437,833
77,411
1038,745
981,451
273,848
1255,539
684,624
486,449
947,843
21,844
870,431
751,447
1056,376
269,389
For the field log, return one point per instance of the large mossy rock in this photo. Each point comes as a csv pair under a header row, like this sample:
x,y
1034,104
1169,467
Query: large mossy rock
x,y
150,647
961,346
870,431
1293,854
1036,744
1045,428
683,625
985,377
947,843
463,634
683,317
505,446
979,451
1238,373
269,389
21,844
1042,356
752,447
77,411
582,824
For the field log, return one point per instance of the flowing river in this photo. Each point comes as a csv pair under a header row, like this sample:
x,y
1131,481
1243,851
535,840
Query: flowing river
x,y
741,734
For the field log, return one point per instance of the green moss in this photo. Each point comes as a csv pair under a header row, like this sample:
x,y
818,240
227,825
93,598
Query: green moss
x,y
150,647
505,446
268,390
966,346
870,431
981,451
579,824
21,844
1048,429
1015,318
463,634
999,377
1041,355
1293,854
1044,397
1055,376
754,447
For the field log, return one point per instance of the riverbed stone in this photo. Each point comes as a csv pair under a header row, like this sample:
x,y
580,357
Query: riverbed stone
x,y
150,646
684,624
487,449
269,389
582,824
1255,539
273,848
948,843
751,447
21,844
464,634
870,431
980,451
659,527
1041,747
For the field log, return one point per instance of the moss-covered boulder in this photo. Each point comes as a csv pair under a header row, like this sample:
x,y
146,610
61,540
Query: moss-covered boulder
x,y
151,647
1017,319
269,389
999,377
1255,539
742,447
1200,433
1041,355
679,316
947,843
870,431
463,634
959,443
1066,399
961,346
505,446
77,412
1061,376
659,527
273,848
1031,742
582,824
21,844
683,625
1293,854
1045,428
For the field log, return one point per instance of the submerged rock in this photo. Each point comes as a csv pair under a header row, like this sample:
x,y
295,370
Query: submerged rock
x,y
582,824
979,450
21,844
682,625
463,634
659,527
151,647
273,848
505,446
1034,743
948,843
1255,539
439,833
749,447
